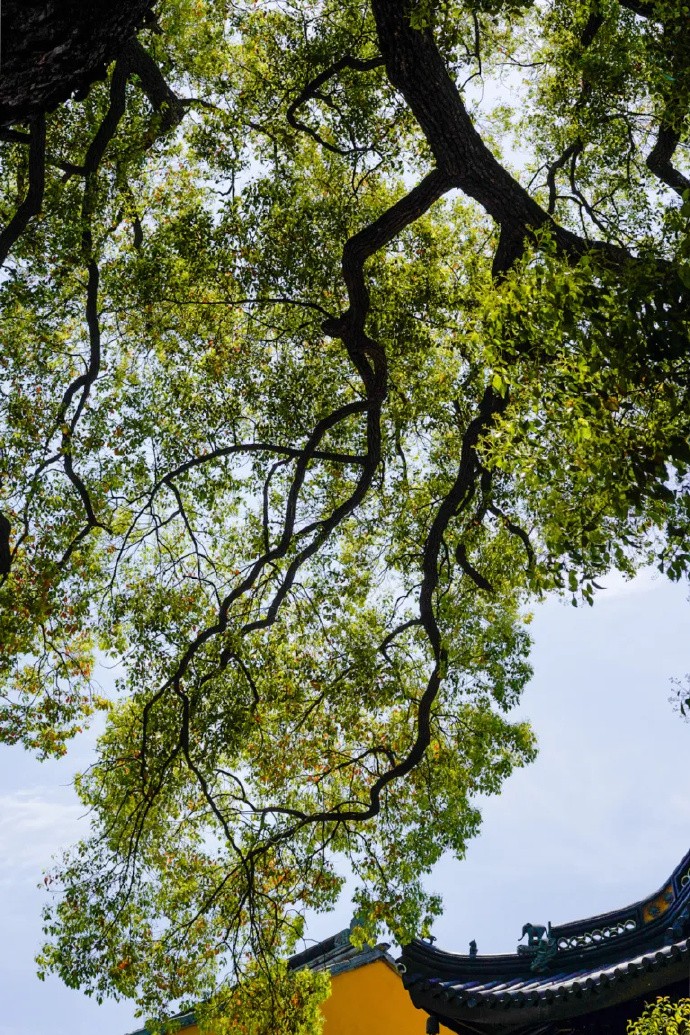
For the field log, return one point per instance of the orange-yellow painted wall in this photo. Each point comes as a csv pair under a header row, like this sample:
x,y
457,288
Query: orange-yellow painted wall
x,y
370,1000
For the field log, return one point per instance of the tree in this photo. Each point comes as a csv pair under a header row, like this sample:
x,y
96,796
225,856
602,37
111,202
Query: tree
x,y
663,1017
269,1001
306,397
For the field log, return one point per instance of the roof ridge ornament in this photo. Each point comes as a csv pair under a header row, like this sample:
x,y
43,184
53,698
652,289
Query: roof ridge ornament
x,y
536,933
542,946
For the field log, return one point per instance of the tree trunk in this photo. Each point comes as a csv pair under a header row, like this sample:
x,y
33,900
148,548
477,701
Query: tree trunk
x,y
52,49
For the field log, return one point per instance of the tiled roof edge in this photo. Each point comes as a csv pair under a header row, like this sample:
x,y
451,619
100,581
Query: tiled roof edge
x,y
548,987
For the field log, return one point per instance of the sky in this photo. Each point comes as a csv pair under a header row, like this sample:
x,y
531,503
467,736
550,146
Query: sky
x,y
598,821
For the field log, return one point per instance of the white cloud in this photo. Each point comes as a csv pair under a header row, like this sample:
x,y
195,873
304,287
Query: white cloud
x,y
35,825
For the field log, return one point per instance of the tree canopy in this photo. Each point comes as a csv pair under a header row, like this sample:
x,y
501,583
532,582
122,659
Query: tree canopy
x,y
334,334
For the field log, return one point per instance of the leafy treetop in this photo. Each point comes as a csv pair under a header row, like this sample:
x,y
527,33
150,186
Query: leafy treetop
x,y
305,396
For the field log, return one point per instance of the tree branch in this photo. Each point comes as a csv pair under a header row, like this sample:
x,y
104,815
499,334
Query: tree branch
x,y
659,160
310,92
415,66
31,205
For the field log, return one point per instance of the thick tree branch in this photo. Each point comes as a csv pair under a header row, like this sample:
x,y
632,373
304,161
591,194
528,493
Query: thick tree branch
x,y
31,205
17,136
469,569
163,99
659,160
570,152
111,120
594,23
415,66
364,352
5,549
644,8
82,384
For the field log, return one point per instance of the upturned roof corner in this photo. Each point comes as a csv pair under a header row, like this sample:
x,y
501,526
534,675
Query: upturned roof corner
x,y
565,972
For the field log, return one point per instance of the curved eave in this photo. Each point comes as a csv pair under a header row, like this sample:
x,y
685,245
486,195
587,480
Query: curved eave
x,y
650,914
548,996
597,942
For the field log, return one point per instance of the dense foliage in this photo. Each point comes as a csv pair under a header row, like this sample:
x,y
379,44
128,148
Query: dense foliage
x,y
305,396
663,1018
268,1000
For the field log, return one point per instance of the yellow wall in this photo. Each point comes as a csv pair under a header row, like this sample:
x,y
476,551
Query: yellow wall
x,y
371,1000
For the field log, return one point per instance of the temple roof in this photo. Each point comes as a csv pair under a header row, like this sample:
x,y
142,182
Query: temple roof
x,y
562,971
337,954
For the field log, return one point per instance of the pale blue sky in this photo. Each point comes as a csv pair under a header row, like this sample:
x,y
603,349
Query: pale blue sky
x,y
599,820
